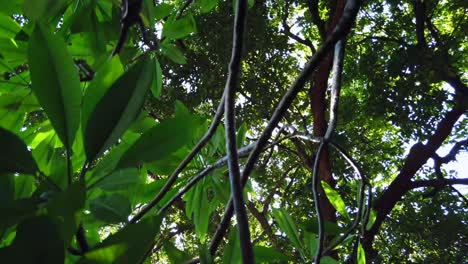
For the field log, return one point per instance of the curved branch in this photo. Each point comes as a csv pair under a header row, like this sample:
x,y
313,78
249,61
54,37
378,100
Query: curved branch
x,y
341,30
230,126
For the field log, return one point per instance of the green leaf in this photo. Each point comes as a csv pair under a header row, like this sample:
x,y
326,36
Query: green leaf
x,y
173,53
328,260
335,199
55,82
156,87
37,241
121,179
175,255
8,27
112,208
160,141
232,254
288,226
372,218
361,255
311,241
200,207
15,156
207,5
18,211
117,109
179,28
64,208
105,255
44,9
268,255
102,81
241,134
129,245
162,10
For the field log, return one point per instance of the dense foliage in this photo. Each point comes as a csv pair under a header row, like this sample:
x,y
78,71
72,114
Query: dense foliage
x,y
342,122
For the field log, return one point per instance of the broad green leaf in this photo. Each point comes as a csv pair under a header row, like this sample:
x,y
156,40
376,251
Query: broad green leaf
x,y
175,255
128,245
173,53
64,209
232,254
200,207
18,211
102,81
207,5
311,225
37,241
241,134
117,109
8,27
328,260
24,186
112,208
268,255
205,255
105,255
44,9
372,218
10,7
15,156
121,179
156,87
311,241
162,10
55,82
179,28
160,141
335,199
361,255
288,226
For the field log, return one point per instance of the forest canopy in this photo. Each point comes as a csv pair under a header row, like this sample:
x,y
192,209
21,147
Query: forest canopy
x,y
245,131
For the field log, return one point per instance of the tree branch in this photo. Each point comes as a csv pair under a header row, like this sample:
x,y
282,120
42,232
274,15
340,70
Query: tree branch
x,y
341,30
417,157
230,126
437,183
314,13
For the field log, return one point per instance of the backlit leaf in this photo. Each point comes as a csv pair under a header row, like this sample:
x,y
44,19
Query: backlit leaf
x,y
55,82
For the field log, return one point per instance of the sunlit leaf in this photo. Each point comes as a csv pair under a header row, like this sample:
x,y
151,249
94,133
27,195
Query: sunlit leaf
x,y
335,199
179,28
160,141
55,82
361,255
128,245
118,108
288,226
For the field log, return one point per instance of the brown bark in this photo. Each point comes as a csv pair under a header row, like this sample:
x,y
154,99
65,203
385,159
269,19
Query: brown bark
x,y
319,104
418,156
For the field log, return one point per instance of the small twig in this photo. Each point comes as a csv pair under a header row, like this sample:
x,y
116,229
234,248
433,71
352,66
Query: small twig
x,y
221,162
